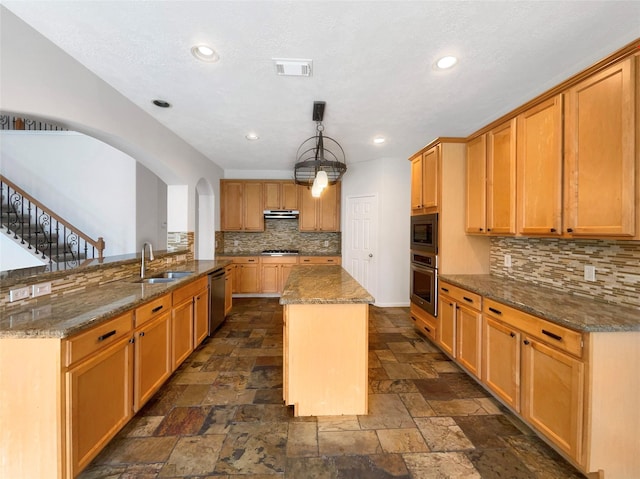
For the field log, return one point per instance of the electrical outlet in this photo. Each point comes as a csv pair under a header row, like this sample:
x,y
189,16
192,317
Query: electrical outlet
x,y
507,261
589,273
235,242
326,242
18,293
40,289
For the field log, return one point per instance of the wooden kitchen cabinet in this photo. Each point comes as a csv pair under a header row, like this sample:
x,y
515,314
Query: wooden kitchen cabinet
x,y
600,154
280,195
425,181
241,205
152,340
476,197
275,271
539,169
501,361
99,389
553,394
246,275
319,214
319,260
424,322
501,179
447,325
228,288
200,315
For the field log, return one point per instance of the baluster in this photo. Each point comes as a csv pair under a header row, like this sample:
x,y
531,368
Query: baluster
x,y
37,231
50,240
29,227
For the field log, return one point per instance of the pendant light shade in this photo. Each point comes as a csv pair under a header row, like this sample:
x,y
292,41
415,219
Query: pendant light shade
x,y
320,157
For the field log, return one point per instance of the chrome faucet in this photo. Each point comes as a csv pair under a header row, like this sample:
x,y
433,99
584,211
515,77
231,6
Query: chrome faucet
x,y
151,258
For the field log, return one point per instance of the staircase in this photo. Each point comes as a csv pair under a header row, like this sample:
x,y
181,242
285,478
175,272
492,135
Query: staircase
x,y
42,232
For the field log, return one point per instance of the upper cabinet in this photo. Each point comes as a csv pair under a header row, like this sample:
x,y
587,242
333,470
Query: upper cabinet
x,y
539,169
600,153
501,179
241,205
280,195
424,181
319,214
566,166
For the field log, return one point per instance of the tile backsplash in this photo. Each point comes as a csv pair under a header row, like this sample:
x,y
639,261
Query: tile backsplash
x,y
559,264
279,234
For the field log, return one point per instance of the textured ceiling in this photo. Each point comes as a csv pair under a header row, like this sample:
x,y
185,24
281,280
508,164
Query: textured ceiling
x,y
372,64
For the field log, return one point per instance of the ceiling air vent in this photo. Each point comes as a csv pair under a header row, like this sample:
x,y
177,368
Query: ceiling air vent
x,y
293,67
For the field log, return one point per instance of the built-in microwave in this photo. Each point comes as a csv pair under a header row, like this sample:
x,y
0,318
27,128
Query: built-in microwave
x,y
424,233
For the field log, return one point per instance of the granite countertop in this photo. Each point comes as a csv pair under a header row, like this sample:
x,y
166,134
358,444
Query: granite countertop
x,y
65,315
259,253
579,313
323,284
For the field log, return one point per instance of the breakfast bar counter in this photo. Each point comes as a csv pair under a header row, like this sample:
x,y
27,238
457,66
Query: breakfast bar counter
x,y
325,356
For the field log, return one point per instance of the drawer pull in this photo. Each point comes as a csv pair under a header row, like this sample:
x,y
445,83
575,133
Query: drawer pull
x,y
469,300
329,261
106,335
305,260
569,230
427,329
445,290
494,310
157,308
551,335
413,318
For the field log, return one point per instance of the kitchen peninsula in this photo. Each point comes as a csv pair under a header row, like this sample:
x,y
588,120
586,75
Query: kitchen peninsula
x,y
325,342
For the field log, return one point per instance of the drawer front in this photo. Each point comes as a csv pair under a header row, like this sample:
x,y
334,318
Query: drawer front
x,y
279,260
553,334
84,344
152,309
246,259
189,291
320,260
423,322
461,296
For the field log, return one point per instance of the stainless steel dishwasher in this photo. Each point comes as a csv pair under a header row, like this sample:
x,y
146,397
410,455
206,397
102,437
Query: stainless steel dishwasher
x,y
216,295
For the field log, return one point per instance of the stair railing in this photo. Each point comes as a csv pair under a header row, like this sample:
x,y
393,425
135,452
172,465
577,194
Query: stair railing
x,y
39,229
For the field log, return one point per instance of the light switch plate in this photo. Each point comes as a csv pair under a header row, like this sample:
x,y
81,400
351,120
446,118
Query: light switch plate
x,y
507,261
40,289
589,273
18,293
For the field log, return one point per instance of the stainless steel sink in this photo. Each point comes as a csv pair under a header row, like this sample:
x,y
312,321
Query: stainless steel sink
x,y
173,274
156,280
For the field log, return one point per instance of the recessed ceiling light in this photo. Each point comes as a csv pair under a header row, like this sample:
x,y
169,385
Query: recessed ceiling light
x,y
205,53
378,140
446,62
161,103
251,136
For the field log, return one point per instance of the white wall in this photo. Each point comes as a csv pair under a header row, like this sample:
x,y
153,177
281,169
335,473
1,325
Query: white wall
x,y
39,80
13,256
390,178
87,182
151,209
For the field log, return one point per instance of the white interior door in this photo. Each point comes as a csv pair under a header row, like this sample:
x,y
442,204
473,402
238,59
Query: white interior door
x,y
361,238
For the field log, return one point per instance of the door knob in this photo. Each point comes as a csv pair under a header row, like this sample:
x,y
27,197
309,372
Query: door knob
x,y
370,255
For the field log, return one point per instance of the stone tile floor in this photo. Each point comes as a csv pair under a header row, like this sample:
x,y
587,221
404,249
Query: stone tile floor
x,y
221,416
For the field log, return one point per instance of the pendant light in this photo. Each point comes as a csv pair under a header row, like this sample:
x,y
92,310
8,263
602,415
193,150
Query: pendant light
x,y
320,160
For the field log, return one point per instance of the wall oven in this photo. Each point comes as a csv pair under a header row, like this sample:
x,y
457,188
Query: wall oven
x,y
424,233
424,281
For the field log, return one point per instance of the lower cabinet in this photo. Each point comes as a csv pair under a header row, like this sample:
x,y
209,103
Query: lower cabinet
x,y
424,322
275,271
501,366
200,316
228,289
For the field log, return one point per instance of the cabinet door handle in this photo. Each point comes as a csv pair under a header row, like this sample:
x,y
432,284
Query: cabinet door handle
x,y
569,230
106,335
141,333
512,334
157,308
553,230
468,300
413,318
445,290
427,329
488,229
494,310
481,229
132,340
551,335
526,342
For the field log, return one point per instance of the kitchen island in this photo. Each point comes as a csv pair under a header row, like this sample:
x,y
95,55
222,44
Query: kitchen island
x,y
325,341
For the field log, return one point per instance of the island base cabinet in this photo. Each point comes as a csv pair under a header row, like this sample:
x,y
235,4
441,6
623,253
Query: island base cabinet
x,y
553,395
99,401
325,359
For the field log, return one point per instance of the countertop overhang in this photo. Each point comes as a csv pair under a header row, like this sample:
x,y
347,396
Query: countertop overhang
x,y
67,314
580,313
323,284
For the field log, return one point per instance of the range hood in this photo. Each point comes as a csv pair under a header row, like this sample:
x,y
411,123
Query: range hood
x,y
281,214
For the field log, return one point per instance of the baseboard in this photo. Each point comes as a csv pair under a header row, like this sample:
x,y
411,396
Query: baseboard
x,y
392,305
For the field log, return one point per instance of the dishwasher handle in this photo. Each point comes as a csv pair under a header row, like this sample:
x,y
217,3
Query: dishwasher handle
x,y
217,274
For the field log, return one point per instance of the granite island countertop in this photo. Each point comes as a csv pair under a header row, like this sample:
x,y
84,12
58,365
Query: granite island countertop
x,y
67,314
323,284
576,312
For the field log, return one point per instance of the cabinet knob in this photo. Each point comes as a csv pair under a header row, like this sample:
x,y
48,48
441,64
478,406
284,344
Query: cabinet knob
x,y
553,230
526,342
481,229
141,333
488,229
569,230
512,334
